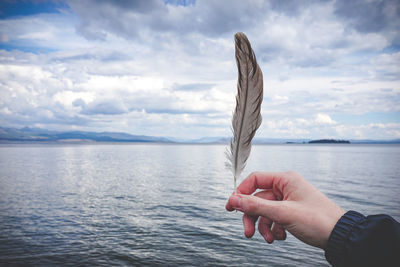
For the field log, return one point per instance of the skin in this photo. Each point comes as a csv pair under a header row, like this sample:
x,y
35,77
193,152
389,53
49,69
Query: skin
x,y
286,202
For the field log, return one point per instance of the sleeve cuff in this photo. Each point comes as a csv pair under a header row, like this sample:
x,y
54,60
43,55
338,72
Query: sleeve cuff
x,y
335,249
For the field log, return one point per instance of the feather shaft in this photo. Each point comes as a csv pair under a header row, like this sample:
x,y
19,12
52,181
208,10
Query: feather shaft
x,y
247,115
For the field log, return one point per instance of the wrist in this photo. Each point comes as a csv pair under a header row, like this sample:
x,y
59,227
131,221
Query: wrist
x,y
334,216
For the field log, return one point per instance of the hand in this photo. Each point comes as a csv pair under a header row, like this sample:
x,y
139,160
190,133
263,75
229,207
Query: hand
x,y
288,202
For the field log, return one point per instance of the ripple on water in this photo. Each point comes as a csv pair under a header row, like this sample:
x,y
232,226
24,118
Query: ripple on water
x,y
141,205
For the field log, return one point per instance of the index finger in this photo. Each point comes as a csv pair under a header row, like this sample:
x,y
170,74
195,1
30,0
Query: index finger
x,y
262,180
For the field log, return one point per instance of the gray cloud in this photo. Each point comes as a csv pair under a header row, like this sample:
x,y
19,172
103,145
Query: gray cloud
x,y
372,16
44,116
192,86
103,55
127,19
106,108
176,111
170,68
292,7
139,20
79,103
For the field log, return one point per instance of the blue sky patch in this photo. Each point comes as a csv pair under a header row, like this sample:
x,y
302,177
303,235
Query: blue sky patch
x,y
26,8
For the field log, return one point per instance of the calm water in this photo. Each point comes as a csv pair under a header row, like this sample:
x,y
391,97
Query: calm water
x,y
141,204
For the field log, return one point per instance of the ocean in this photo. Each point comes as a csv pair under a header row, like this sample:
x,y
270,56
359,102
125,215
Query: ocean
x,y
164,204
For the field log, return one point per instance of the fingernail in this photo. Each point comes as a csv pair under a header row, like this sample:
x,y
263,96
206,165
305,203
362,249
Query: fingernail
x,y
235,201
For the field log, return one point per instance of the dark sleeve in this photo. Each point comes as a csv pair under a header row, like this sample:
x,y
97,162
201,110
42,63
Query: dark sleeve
x,y
357,240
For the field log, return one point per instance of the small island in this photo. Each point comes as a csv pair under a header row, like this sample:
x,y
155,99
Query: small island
x,y
329,141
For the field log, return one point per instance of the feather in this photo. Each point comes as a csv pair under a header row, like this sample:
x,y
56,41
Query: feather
x,y
247,115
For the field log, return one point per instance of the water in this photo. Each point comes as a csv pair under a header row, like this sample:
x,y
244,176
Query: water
x,y
163,205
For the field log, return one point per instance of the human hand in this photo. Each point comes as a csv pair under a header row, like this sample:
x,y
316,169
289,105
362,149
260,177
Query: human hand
x,y
288,202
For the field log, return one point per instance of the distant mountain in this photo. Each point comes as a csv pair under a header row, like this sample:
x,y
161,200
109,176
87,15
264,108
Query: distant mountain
x,y
225,140
210,140
41,135
369,141
27,134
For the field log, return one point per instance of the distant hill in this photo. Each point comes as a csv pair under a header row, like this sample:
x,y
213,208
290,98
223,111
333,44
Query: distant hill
x,y
41,135
369,141
226,140
28,134
329,141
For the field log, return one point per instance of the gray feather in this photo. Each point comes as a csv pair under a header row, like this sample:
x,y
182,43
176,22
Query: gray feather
x,y
247,115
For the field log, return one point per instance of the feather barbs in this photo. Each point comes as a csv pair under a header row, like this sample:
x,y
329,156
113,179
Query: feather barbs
x,y
246,118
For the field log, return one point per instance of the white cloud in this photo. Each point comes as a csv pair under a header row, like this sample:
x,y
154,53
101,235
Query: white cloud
x,y
369,131
150,68
324,119
67,98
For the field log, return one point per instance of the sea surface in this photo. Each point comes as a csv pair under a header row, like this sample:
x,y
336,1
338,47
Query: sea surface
x,y
163,205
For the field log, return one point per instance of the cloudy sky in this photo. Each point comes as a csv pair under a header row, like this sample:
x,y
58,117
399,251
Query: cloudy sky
x,y
167,67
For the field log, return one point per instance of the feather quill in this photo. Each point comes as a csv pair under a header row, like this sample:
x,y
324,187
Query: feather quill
x,y
247,115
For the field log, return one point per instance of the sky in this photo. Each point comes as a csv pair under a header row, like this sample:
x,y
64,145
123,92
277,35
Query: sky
x,y
167,67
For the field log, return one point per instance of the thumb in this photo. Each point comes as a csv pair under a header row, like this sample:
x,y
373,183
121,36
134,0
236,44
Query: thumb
x,y
256,206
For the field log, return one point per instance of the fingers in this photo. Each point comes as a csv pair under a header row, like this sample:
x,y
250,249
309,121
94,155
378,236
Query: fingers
x,y
278,232
264,228
256,206
249,225
229,207
261,206
262,180
250,221
265,194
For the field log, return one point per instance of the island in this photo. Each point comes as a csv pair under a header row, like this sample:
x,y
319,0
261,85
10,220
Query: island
x,y
329,141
